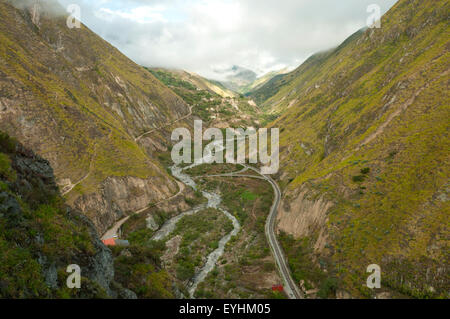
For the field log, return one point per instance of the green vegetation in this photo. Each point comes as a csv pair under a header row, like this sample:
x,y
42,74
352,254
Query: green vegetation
x,y
201,100
248,196
138,268
261,81
141,236
240,200
200,234
209,100
197,199
171,81
374,113
358,178
328,288
86,106
7,143
303,269
246,270
38,233
5,167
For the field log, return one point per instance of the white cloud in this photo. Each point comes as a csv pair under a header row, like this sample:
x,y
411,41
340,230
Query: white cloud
x,y
201,35
142,14
221,16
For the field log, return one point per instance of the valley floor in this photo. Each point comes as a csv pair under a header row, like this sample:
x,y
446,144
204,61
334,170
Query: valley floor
x,y
200,249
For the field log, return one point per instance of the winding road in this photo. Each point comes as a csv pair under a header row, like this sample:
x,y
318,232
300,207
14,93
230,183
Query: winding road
x,y
114,230
290,287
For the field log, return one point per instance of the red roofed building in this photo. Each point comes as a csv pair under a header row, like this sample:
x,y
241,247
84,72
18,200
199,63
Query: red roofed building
x,y
277,288
109,242
115,242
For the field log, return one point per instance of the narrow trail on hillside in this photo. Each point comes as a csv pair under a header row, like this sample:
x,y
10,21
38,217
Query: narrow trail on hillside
x,y
113,231
70,187
164,126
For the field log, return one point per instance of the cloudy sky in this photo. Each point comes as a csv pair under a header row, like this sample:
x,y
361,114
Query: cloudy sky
x,y
207,35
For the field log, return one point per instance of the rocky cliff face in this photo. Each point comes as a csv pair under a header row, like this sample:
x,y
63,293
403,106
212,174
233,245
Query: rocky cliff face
x,y
121,195
304,214
364,154
40,236
78,102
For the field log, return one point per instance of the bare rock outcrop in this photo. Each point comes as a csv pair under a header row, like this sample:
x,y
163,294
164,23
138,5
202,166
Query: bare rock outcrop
x,y
300,215
120,196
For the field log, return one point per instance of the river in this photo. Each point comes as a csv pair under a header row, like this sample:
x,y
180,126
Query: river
x,y
214,201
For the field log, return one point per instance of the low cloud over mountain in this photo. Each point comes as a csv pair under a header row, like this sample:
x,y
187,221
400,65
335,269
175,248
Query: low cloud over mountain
x,y
198,35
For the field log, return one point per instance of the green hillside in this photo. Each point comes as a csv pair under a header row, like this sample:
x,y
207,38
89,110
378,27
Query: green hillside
x,y
263,94
262,81
40,236
77,101
365,138
364,166
210,101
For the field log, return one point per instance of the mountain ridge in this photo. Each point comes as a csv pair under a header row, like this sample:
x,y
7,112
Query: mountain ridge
x,y
363,156
40,236
80,103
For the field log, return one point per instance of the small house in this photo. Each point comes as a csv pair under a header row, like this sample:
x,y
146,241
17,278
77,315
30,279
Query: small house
x,y
116,242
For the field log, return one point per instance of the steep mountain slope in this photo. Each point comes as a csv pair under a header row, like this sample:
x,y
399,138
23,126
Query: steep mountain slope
x,y
364,157
266,95
237,78
80,103
262,81
40,237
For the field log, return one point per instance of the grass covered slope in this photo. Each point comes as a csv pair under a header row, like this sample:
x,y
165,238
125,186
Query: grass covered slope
x,y
77,101
211,102
266,94
261,81
40,236
364,154
196,80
